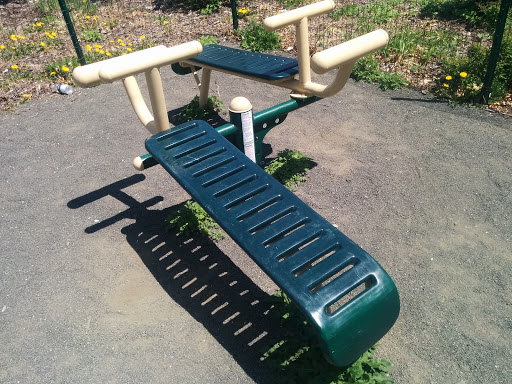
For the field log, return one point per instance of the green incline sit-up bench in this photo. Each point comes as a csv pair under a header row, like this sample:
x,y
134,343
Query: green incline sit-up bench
x,y
345,294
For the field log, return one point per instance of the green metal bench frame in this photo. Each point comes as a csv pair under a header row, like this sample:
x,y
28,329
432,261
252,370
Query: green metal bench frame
x,y
296,247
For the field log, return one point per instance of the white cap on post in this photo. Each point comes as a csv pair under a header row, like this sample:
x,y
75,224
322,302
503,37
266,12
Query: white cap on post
x,y
240,104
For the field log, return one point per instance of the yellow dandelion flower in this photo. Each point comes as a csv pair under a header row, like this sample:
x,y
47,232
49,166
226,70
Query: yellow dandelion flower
x,y
65,68
14,66
124,53
130,44
2,46
102,52
13,47
445,85
111,41
120,40
97,46
448,77
164,22
13,38
108,53
52,73
89,48
97,49
20,37
117,46
42,44
463,74
54,34
26,96
142,37
87,17
129,49
40,24
121,44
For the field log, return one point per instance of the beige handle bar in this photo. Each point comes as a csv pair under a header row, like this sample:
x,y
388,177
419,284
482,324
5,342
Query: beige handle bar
x,y
331,58
293,17
126,67
120,67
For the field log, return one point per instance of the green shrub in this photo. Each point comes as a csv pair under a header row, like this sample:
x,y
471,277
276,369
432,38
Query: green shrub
x,y
473,67
212,6
476,14
257,39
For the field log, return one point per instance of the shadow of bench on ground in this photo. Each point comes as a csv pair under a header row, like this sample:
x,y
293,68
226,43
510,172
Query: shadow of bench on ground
x,y
210,287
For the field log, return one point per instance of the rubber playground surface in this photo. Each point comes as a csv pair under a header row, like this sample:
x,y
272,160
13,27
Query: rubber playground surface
x,y
94,290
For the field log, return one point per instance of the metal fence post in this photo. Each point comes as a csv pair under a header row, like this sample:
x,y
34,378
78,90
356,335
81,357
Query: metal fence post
x,y
495,51
72,33
234,13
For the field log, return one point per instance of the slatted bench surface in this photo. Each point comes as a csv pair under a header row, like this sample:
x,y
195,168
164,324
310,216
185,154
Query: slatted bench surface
x,y
259,65
302,252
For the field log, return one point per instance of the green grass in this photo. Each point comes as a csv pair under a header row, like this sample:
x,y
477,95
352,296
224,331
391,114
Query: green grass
x,y
49,7
475,14
255,38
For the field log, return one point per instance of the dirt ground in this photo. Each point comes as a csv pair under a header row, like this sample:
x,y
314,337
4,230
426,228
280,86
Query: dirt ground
x,y
92,288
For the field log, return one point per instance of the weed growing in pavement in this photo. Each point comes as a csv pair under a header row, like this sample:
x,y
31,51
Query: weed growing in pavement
x,y
192,219
290,168
192,111
256,38
297,358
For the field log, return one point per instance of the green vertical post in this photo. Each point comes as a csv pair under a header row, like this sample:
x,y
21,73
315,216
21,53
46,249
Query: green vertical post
x,y
72,33
495,51
234,13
